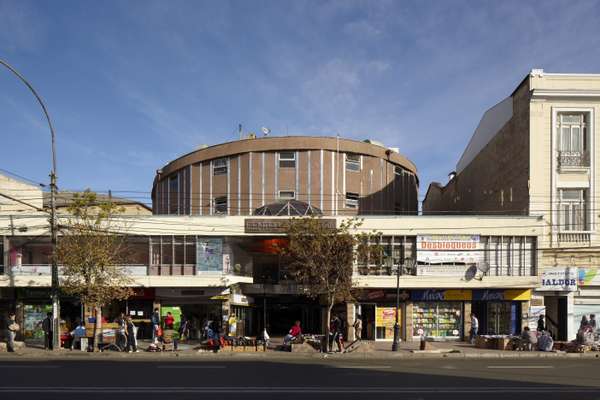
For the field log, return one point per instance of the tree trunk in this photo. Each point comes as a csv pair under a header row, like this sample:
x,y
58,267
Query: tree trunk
x,y
327,330
97,327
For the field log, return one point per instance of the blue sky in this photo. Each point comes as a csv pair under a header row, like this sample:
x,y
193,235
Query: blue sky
x,y
132,85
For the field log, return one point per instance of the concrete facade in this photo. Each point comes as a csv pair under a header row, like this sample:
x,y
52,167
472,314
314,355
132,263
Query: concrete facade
x,y
338,176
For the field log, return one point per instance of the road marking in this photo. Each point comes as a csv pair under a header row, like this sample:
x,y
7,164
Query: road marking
x,y
362,367
191,366
285,390
520,366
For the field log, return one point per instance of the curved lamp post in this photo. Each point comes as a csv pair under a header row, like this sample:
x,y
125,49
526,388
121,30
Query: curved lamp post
x,y
53,228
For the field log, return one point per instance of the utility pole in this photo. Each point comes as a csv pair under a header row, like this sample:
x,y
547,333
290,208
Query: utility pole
x,y
53,227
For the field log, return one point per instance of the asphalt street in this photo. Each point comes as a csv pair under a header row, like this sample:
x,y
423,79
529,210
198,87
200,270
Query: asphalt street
x,y
329,378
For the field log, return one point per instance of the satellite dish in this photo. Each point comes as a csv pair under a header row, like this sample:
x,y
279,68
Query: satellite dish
x,y
483,267
265,131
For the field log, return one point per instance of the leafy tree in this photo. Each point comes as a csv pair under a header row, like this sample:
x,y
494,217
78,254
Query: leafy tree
x,y
91,252
321,258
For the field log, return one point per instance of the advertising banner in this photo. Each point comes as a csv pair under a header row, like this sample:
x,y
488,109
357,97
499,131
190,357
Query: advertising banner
x,y
442,270
440,295
588,277
385,319
559,279
441,249
33,315
502,295
209,255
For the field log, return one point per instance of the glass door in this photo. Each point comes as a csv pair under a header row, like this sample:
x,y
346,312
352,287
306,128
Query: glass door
x,y
499,318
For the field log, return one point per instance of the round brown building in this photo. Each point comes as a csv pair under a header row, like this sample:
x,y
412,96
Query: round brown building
x,y
334,175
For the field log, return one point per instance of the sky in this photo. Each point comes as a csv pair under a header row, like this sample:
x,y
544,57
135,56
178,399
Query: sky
x,y
132,85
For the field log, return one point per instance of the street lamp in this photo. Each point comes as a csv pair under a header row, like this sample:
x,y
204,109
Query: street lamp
x,y
53,228
408,263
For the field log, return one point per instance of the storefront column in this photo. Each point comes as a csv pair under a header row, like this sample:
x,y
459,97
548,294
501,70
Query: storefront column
x,y
525,315
350,317
467,320
408,322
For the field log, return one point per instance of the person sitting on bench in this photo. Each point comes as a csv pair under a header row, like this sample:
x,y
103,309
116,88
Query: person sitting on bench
x,y
294,333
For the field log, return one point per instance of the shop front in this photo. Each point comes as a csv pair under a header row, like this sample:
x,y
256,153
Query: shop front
x,y
438,314
377,310
499,311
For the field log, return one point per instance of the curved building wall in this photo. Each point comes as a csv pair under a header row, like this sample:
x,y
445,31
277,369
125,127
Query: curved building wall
x,y
339,176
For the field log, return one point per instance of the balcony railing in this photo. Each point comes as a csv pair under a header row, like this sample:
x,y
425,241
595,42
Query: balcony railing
x,y
568,159
575,238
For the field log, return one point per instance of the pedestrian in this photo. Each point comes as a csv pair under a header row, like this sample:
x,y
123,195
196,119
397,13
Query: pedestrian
x,y
155,321
184,328
474,328
336,329
130,334
592,322
528,339
121,332
47,328
11,332
169,320
294,333
584,323
357,325
232,324
541,323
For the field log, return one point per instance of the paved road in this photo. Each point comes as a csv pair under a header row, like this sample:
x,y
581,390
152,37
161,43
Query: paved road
x,y
306,379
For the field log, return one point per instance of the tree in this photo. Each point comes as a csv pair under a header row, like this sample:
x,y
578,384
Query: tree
x,y
321,258
92,253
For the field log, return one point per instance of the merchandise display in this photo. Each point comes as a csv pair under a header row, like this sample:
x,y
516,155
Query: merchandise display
x,y
437,320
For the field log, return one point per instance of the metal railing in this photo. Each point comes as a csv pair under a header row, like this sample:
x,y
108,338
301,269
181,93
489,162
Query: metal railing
x,y
573,159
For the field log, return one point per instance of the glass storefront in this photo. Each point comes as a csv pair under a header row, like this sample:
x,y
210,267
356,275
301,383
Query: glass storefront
x,y
437,319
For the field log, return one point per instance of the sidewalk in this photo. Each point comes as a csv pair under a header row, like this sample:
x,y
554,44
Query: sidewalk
x,y
367,350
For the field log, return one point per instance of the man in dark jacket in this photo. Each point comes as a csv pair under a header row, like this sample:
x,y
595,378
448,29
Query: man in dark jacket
x,y
47,328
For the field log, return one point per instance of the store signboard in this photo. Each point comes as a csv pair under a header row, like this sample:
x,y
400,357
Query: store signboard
x,y
588,277
442,270
440,295
277,225
562,279
502,295
209,254
440,249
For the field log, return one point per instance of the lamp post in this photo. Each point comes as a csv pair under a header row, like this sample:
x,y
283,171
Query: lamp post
x,y
53,228
407,262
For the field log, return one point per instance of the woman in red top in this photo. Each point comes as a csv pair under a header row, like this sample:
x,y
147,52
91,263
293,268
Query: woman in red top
x,y
169,320
294,333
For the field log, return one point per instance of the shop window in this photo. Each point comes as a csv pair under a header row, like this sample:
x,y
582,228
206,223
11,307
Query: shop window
x,y
287,159
178,250
167,251
190,250
352,200
155,250
353,162
221,205
220,166
287,195
437,319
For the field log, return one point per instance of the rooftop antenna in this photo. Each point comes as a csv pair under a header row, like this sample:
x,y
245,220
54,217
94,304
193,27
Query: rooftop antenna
x,y
240,130
265,131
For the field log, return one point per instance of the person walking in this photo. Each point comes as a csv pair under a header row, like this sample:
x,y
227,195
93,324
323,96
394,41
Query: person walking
x,y
474,328
11,332
357,325
155,321
130,333
169,320
541,323
47,328
121,332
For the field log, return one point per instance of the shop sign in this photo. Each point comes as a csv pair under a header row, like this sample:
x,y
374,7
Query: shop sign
x,y
440,295
276,225
240,299
502,295
439,249
442,270
559,279
376,294
588,277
